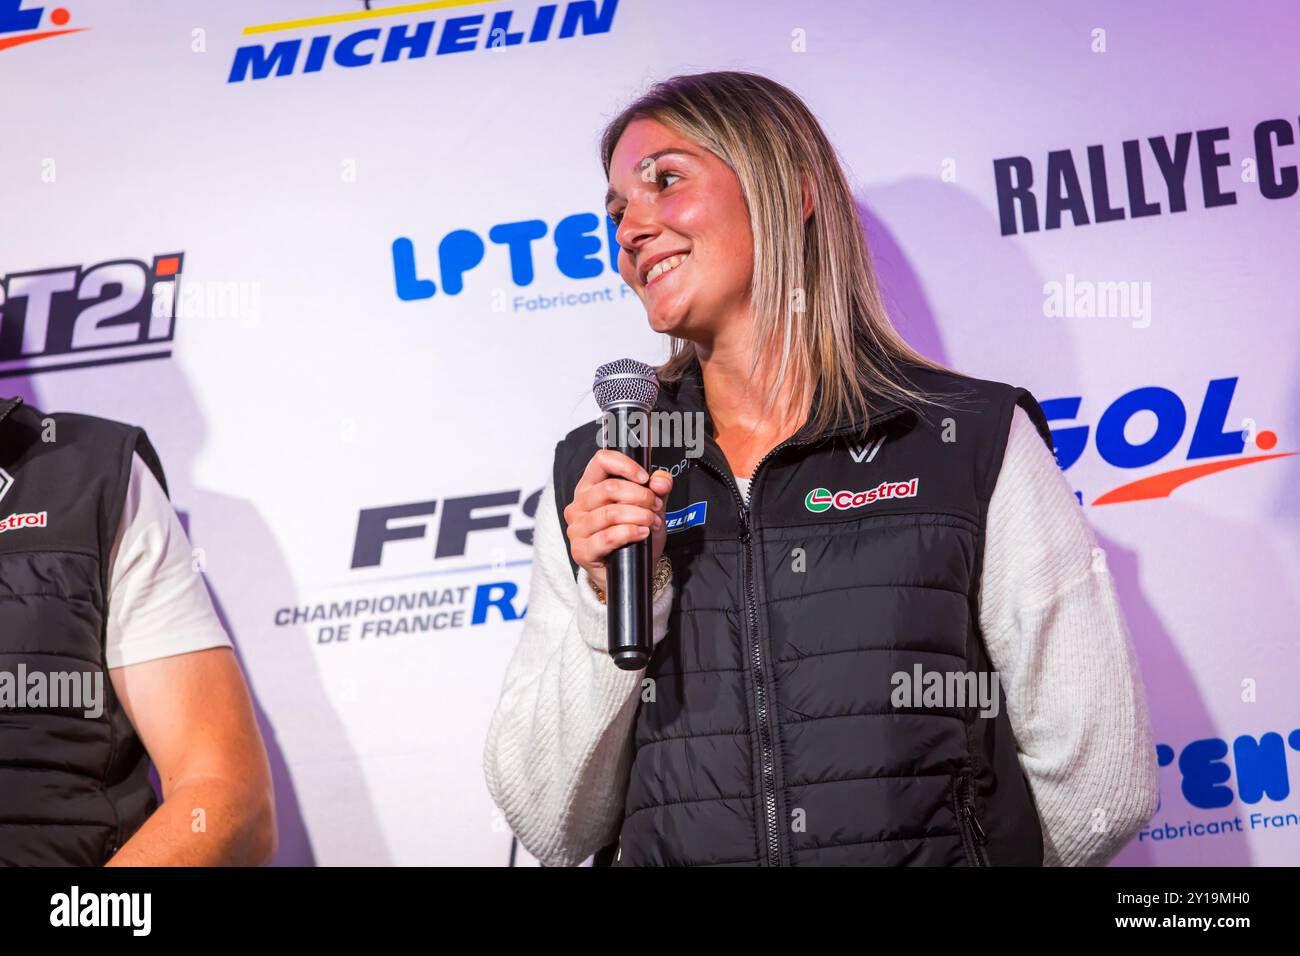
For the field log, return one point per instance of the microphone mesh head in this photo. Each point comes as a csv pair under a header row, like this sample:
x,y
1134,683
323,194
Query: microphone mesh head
x,y
625,382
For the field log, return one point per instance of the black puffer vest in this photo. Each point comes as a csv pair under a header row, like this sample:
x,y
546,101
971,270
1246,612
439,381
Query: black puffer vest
x,y
774,737
73,788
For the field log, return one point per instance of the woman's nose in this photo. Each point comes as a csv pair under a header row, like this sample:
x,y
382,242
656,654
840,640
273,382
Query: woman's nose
x,y
636,228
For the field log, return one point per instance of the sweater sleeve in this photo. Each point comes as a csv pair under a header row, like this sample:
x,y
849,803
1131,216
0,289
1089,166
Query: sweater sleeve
x,y
1058,640
559,745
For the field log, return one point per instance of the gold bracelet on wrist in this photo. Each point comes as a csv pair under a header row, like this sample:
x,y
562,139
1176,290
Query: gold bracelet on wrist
x,y
663,574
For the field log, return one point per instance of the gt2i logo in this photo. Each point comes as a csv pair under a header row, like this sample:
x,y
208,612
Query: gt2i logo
x,y
819,499
1209,439
103,314
20,25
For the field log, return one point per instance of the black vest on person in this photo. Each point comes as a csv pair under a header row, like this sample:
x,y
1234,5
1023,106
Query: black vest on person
x,y
72,788
772,739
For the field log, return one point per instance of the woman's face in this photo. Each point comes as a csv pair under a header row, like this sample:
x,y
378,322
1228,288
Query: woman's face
x,y
671,197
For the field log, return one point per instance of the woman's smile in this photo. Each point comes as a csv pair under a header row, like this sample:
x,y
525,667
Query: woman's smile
x,y
664,266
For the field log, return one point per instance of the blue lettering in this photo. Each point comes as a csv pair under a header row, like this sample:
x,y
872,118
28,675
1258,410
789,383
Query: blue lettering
x,y
345,53
577,249
592,22
542,23
1171,419
14,19
409,285
255,60
316,53
1209,439
1204,772
1069,442
458,252
499,34
611,237
1261,768
485,597
459,34
417,44
518,238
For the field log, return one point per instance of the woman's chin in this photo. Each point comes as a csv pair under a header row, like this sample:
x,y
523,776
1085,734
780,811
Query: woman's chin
x,y
670,320
667,324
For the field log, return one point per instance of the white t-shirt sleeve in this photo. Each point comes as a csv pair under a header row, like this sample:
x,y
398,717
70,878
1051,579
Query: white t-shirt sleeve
x,y
158,605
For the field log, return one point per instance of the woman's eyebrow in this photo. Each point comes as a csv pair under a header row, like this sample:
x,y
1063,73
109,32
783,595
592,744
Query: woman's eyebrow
x,y
613,193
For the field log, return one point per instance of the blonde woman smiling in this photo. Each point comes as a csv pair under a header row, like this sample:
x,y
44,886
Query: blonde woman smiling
x,y
861,517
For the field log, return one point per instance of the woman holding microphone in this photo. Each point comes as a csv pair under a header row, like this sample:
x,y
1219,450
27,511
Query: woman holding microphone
x,y
884,633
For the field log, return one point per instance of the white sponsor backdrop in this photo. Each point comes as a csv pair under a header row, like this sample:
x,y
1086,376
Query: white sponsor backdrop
x,y
316,392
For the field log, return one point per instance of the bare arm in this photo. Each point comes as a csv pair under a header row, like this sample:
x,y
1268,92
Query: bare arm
x,y
194,715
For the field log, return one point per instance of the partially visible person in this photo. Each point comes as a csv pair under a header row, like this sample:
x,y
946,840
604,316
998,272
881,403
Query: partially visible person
x,y
97,578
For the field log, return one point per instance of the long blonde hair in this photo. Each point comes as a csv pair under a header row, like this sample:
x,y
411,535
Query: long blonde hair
x,y
815,296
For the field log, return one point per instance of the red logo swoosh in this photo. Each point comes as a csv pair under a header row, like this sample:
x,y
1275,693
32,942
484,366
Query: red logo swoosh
x,y
1160,486
8,42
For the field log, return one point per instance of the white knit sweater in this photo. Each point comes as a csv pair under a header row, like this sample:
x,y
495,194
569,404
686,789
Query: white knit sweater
x,y
559,746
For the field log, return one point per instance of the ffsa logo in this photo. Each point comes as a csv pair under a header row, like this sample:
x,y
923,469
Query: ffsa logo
x,y
20,25
123,310
456,518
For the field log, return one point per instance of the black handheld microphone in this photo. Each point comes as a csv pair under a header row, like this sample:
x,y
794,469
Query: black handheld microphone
x,y
626,391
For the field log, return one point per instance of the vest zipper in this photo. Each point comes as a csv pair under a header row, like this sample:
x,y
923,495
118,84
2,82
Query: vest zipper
x,y
972,834
768,767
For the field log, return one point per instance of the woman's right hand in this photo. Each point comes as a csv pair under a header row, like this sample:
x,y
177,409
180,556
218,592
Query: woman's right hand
x,y
614,505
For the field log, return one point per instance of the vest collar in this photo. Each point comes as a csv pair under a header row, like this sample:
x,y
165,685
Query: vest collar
x,y
7,406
